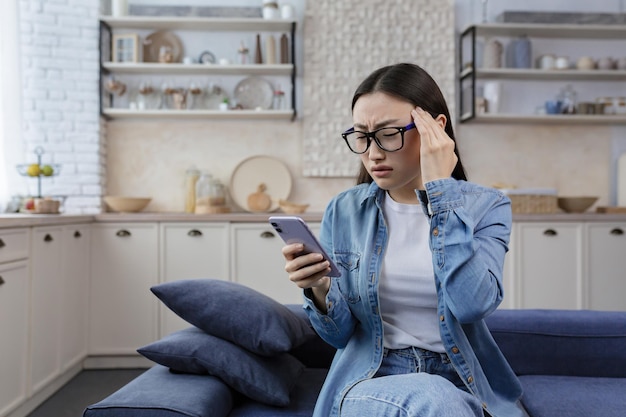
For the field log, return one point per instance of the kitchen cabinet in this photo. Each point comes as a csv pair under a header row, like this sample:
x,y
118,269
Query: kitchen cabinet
x,y
75,294
547,265
586,36
606,266
124,265
46,295
285,73
257,261
14,317
191,251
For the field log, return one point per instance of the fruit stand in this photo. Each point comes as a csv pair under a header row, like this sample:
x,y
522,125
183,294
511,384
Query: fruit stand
x,y
38,170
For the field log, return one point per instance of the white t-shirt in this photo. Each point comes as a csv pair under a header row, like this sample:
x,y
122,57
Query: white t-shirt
x,y
407,293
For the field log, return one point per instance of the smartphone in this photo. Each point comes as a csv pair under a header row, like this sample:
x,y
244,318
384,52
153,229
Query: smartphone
x,y
293,229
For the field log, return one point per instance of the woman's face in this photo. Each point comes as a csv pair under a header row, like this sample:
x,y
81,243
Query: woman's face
x,y
397,172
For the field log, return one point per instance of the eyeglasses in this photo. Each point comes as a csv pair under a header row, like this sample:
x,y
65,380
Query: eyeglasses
x,y
389,139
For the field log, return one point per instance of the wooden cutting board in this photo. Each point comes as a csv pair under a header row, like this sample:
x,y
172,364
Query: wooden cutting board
x,y
611,210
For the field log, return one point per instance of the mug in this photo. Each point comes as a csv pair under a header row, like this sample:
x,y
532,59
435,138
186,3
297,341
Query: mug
x,y
606,63
553,106
562,62
546,62
585,63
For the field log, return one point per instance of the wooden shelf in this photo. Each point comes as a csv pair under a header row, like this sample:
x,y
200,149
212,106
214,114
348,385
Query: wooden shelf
x,y
571,31
548,75
197,23
199,114
564,119
154,68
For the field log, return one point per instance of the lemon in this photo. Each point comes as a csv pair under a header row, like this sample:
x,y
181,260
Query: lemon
x,y
33,170
47,170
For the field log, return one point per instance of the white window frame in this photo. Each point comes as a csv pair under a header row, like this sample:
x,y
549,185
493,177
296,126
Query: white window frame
x,y
11,144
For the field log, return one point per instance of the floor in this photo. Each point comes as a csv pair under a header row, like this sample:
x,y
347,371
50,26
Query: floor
x,y
88,387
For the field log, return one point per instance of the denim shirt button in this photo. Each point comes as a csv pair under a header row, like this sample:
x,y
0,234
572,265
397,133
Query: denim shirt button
x,y
470,379
441,318
485,406
435,232
455,350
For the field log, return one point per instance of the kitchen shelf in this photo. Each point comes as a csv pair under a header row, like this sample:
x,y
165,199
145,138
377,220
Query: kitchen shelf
x,y
198,23
112,25
564,119
182,69
469,73
565,31
548,75
198,114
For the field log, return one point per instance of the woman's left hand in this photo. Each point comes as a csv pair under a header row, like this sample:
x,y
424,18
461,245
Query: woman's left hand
x,y
437,157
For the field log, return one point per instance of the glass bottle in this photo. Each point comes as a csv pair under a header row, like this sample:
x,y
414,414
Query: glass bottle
x,y
191,178
210,195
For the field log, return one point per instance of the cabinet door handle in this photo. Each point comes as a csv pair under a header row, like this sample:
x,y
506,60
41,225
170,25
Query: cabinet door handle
x,y
267,235
1,280
48,238
77,234
617,231
122,233
194,233
550,232
2,244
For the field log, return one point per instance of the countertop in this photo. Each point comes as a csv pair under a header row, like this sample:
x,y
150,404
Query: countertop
x,y
25,220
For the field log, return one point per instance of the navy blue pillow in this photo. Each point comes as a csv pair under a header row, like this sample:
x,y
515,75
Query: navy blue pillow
x,y
265,379
235,313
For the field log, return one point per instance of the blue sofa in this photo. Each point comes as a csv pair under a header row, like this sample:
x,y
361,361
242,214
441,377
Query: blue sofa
x,y
571,363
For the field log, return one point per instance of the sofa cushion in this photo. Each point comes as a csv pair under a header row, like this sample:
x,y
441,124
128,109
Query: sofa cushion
x,y
227,310
159,393
303,399
262,378
562,342
550,396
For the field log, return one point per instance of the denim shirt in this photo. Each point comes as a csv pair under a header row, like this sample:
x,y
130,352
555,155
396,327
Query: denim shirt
x,y
469,234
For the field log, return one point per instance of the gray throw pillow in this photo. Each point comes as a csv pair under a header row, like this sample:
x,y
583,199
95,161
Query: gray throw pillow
x,y
265,379
235,313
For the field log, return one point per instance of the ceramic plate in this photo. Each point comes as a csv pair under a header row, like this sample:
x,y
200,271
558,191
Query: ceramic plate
x,y
254,93
255,170
154,41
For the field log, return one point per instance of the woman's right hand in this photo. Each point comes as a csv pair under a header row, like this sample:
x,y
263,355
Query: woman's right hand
x,y
306,271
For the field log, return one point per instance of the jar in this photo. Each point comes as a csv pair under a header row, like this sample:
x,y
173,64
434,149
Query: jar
x,y
191,178
210,194
270,9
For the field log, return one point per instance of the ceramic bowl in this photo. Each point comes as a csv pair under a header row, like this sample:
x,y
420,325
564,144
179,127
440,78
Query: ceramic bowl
x,y
575,204
126,204
292,208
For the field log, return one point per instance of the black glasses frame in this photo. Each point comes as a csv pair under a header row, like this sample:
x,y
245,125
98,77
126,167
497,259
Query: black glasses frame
x,y
372,135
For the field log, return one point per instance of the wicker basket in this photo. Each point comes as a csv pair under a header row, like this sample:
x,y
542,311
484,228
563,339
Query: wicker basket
x,y
533,203
47,206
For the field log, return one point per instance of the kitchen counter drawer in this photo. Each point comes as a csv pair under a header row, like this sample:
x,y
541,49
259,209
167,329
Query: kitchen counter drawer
x,y
13,244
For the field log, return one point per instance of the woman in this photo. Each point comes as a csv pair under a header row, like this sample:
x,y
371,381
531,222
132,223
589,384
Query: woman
x,y
421,253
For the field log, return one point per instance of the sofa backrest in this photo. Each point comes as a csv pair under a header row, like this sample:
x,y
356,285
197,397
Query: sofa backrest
x,y
562,342
535,342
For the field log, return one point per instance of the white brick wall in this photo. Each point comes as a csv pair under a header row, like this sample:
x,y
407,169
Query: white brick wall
x,y
59,60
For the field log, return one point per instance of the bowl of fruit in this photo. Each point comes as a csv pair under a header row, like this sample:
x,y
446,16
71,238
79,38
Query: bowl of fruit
x,y
38,170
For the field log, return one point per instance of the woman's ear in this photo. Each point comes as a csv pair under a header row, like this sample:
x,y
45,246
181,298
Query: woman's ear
x,y
441,121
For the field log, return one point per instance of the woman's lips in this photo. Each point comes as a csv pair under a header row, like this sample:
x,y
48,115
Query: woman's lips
x,y
381,171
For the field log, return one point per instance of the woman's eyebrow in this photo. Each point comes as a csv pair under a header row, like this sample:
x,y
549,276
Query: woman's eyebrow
x,y
377,125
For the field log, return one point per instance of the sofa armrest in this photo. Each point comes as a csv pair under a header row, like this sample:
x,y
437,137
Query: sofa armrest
x,y
562,342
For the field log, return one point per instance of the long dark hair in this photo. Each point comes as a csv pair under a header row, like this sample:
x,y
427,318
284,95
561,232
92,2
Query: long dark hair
x,y
409,82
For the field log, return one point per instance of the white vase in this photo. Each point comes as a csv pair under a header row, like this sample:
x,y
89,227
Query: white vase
x,y
119,8
492,91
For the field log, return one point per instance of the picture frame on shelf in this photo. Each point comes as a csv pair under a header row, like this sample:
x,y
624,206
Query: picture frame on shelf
x,y
126,48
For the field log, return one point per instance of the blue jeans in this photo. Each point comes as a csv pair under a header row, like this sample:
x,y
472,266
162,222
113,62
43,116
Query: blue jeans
x,y
412,382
